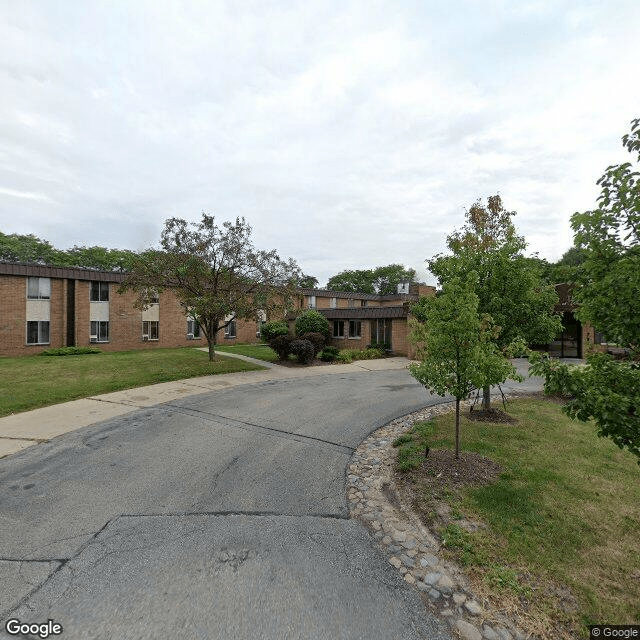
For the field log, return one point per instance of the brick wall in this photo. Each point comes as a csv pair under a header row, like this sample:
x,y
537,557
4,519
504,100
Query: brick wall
x,y
13,316
125,321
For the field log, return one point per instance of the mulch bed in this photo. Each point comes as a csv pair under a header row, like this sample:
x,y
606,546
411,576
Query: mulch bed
x,y
441,467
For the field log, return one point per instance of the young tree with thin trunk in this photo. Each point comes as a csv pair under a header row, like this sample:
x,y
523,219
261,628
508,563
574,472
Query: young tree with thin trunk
x,y
508,285
455,345
216,273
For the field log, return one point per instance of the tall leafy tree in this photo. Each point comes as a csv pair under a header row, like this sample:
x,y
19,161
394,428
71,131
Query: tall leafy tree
x,y
508,285
31,249
607,391
455,345
216,273
381,280
27,248
308,282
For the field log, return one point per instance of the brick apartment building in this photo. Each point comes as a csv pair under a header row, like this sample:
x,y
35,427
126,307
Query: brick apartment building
x,y
357,320
44,307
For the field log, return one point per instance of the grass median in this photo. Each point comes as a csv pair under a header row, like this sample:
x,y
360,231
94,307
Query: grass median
x,y
31,382
553,535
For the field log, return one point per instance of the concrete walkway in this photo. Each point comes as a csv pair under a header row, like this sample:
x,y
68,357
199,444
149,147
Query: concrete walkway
x,y
22,430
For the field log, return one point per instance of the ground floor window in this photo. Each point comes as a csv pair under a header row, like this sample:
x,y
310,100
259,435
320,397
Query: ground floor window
x,y
230,330
355,329
99,331
193,329
38,332
150,329
338,328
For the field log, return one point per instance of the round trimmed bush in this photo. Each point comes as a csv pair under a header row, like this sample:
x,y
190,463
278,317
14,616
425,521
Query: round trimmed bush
x,y
317,340
303,350
312,322
272,330
282,346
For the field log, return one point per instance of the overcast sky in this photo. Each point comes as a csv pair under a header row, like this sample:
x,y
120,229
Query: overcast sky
x,y
348,134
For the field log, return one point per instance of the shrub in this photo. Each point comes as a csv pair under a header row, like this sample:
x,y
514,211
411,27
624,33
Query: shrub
x,y
312,322
303,350
329,354
282,346
347,356
272,330
70,351
316,339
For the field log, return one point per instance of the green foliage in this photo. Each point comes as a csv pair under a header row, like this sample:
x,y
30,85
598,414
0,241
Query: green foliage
x,y
329,354
347,356
413,445
31,249
215,272
312,321
70,351
27,248
609,277
455,346
608,391
381,280
307,282
318,341
508,285
605,390
282,346
302,350
271,330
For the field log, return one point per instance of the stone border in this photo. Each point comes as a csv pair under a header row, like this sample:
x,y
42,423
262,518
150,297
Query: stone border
x,y
411,548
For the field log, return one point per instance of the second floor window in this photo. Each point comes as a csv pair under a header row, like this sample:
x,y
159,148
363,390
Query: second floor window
x,y
99,292
39,288
312,302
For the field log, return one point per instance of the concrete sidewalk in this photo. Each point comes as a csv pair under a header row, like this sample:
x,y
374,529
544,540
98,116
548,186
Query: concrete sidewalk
x,y
22,430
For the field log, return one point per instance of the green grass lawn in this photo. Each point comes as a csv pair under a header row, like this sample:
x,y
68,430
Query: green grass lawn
x,y
37,381
562,541
258,351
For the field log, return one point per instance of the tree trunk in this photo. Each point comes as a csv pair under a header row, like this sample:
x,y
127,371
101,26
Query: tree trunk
x,y
457,429
486,398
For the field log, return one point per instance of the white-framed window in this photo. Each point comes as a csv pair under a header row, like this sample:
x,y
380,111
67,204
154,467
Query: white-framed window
x,y
38,288
230,330
99,331
312,302
334,303
99,292
150,330
355,328
259,324
352,303
38,332
193,330
338,328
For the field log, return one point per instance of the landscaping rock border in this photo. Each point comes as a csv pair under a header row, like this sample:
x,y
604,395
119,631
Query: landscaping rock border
x,y
411,548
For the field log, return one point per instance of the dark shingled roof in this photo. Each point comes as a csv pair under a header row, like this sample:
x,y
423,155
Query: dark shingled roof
x,y
363,313
72,273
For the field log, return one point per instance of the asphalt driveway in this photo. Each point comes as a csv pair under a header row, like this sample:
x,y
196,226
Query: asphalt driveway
x,y
220,515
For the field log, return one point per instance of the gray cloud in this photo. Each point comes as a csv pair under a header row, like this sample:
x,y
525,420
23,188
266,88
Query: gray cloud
x,y
348,135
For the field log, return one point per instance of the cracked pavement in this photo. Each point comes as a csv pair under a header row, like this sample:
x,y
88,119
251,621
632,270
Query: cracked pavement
x,y
216,515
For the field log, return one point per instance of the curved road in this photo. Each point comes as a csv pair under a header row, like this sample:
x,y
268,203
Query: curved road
x,y
221,515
